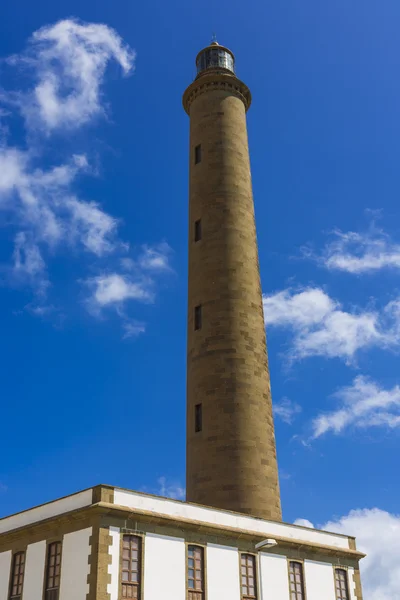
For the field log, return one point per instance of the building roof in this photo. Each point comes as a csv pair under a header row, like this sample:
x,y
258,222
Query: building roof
x,y
128,504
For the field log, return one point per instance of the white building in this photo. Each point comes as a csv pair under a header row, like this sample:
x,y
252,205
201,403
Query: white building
x,y
108,543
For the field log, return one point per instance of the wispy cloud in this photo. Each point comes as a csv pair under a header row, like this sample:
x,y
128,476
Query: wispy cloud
x,y
363,404
304,523
320,326
115,289
132,329
65,65
171,489
29,266
135,282
67,62
378,536
286,410
357,253
167,488
155,258
284,475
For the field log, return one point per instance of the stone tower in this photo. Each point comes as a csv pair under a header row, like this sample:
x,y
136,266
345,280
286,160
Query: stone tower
x,y
231,453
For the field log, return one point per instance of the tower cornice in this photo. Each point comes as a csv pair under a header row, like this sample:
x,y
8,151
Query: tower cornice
x,y
216,80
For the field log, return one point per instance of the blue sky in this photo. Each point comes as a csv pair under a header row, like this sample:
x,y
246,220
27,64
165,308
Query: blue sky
x,y
93,241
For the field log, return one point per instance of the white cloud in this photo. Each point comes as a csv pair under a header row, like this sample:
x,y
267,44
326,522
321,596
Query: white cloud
x,y
166,488
357,253
155,258
151,259
132,329
12,163
170,489
92,226
29,266
41,205
304,523
377,534
363,404
286,410
113,290
68,61
303,309
116,289
321,328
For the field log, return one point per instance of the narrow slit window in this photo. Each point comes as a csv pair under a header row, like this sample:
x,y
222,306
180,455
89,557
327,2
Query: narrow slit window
x,y
198,418
195,573
53,571
131,568
197,317
296,580
248,577
341,584
197,230
17,576
197,154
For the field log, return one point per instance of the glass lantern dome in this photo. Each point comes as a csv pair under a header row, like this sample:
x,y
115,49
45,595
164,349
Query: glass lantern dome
x,y
216,58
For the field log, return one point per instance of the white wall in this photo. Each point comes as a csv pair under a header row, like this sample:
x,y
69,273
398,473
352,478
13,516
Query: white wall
x,y
75,565
5,566
164,568
273,577
34,571
352,585
319,580
223,576
52,509
113,568
225,518
165,571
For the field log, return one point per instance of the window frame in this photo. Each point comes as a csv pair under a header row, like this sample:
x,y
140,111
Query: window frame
x,y
193,593
198,417
138,585
13,574
198,317
303,579
198,234
244,596
198,154
54,592
346,572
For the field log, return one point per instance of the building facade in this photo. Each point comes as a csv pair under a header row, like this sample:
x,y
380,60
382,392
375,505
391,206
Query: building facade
x,y
108,543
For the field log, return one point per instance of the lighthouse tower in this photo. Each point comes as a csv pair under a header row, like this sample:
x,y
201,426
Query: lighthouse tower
x,y
231,452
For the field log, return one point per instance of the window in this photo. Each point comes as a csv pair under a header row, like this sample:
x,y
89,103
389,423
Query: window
x,y
197,317
248,576
197,231
131,566
17,576
296,581
195,573
342,589
53,571
198,418
197,154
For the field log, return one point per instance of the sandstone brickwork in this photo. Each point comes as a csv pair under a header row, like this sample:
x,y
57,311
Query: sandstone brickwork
x,y
231,462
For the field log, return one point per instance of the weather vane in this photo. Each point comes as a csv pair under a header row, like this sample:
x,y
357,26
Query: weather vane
x,y
214,39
